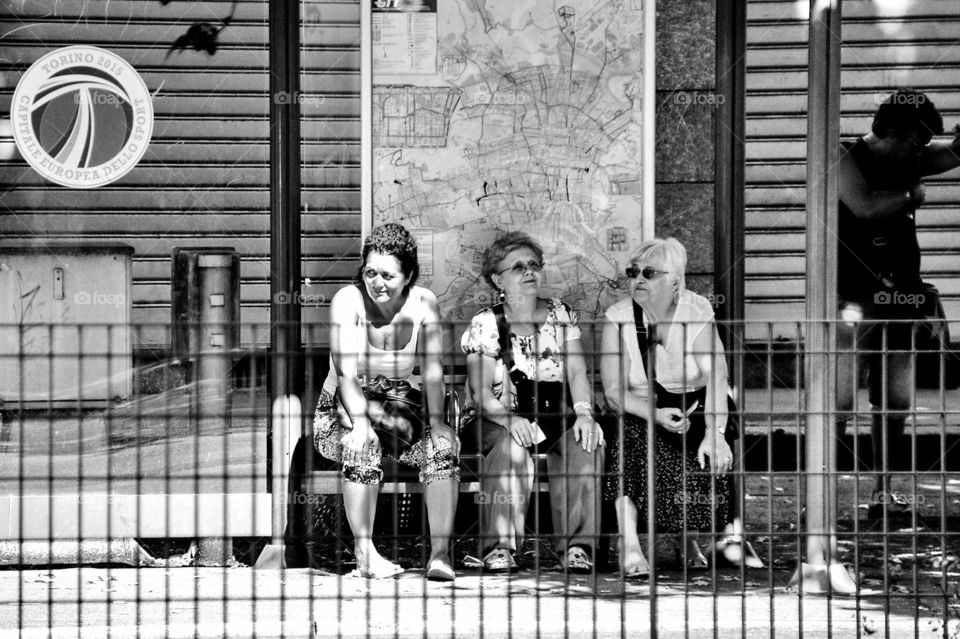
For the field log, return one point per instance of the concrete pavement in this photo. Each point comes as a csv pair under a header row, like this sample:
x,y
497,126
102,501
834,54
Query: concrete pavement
x,y
200,603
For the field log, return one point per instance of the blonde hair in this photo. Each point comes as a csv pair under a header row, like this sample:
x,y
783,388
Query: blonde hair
x,y
669,250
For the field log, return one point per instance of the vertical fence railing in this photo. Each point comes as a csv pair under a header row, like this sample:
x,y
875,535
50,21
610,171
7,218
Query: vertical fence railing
x,y
156,481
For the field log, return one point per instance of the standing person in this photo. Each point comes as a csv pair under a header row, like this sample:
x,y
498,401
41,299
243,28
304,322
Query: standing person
x,y
691,405
380,328
880,190
525,349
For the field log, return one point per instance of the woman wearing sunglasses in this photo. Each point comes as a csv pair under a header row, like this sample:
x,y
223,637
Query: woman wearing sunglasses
x,y
692,455
528,388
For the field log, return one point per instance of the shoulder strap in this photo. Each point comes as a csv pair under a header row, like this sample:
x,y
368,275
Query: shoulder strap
x,y
642,338
506,349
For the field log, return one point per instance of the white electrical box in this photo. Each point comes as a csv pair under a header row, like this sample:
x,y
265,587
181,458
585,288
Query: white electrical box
x,y
65,322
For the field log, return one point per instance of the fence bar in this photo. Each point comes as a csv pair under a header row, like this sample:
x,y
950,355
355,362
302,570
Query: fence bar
x,y
821,572
285,371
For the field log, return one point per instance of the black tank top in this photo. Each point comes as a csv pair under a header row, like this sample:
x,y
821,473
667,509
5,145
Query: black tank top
x,y
878,255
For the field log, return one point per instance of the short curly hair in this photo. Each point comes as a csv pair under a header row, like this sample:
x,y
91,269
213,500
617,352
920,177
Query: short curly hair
x,y
499,249
906,110
392,239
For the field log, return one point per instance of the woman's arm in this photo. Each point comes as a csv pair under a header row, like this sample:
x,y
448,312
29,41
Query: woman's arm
x,y
480,369
939,157
345,334
709,355
430,346
615,371
855,193
586,430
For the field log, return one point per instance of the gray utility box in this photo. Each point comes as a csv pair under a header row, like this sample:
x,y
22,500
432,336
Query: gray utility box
x,y
65,322
205,295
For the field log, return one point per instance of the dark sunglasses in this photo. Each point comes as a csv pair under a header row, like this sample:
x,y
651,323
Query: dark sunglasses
x,y
648,272
522,267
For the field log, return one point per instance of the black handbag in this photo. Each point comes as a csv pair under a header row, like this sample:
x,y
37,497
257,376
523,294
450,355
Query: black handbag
x,y
683,401
395,411
547,403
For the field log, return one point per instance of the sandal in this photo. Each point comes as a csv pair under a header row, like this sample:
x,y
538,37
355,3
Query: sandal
x,y
637,568
693,557
499,560
578,560
439,570
378,569
737,551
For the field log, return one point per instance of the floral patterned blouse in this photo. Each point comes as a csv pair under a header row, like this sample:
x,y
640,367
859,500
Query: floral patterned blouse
x,y
539,356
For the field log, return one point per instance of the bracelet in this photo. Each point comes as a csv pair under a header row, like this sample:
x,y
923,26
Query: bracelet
x,y
586,405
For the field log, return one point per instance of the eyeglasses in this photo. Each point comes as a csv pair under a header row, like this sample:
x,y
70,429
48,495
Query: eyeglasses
x,y
519,268
648,272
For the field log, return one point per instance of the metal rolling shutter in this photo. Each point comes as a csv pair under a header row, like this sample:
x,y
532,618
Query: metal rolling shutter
x,y
204,179
918,48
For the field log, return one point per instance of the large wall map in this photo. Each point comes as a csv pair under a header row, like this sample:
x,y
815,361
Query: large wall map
x,y
532,122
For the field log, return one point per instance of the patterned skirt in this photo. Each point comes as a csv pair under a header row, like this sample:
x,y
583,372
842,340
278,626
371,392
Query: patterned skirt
x,y
682,487
329,428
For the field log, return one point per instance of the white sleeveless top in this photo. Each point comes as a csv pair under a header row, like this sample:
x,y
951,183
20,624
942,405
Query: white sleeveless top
x,y
677,368
375,361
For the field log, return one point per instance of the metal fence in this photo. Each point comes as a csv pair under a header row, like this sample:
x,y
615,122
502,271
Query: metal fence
x,y
139,493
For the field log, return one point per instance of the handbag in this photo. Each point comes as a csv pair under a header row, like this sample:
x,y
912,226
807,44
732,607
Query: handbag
x,y
683,401
547,403
395,411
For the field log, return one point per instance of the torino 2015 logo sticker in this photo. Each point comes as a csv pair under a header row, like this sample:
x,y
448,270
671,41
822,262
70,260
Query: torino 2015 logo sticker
x,y
82,116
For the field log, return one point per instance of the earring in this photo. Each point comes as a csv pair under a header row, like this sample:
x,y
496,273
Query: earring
x,y
501,296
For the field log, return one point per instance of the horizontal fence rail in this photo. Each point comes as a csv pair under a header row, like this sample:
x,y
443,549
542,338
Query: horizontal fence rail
x,y
140,481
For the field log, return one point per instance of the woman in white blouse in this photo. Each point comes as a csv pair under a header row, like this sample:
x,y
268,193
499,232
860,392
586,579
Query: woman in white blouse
x,y
692,456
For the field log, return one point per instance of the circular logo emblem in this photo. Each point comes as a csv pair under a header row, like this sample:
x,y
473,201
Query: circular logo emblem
x,y
82,116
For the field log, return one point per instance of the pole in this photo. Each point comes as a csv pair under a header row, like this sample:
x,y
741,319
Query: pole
x,y
285,367
821,572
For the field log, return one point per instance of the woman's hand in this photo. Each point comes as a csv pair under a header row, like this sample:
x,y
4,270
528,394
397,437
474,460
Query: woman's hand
x,y
718,450
443,436
588,433
673,419
523,431
358,443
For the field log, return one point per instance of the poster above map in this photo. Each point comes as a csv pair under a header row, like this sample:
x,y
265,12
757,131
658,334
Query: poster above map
x,y
404,36
531,121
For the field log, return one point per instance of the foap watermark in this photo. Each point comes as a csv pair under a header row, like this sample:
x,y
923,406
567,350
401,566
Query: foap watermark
x,y
303,299
884,298
716,299
496,497
911,99
96,298
489,298
308,499
694,98
693,498
908,499
285,97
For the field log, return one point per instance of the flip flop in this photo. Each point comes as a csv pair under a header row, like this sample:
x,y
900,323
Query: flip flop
x,y
638,570
439,570
382,569
737,551
693,557
578,561
499,560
